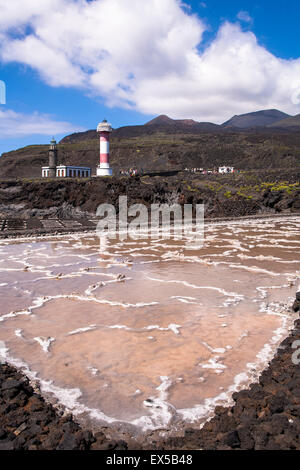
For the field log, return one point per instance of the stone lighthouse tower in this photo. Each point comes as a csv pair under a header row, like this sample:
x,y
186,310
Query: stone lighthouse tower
x,y
52,158
104,128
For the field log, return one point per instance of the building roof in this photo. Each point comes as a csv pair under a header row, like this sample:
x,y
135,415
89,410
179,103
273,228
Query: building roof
x,y
69,166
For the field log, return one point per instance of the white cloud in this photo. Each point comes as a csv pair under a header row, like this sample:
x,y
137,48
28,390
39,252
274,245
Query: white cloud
x,y
14,124
143,55
244,16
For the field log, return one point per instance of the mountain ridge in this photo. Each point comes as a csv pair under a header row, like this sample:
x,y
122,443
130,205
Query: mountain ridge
x,y
261,118
257,120
164,120
291,122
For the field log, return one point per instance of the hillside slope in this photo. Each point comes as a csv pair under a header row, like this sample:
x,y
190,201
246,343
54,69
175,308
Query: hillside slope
x,y
289,123
256,119
162,151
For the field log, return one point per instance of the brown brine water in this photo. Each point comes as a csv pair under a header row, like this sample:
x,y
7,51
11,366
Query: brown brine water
x,y
148,332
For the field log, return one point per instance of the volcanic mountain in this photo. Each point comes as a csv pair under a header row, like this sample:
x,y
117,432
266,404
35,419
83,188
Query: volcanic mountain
x,y
257,119
289,123
161,124
184,124
165,125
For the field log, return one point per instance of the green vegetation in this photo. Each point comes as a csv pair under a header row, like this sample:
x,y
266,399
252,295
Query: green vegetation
x,y
228,194
191,189
247,185
281,186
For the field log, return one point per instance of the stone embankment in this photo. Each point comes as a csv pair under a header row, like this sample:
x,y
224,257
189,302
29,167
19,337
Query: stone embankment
x,y
35,208
223,196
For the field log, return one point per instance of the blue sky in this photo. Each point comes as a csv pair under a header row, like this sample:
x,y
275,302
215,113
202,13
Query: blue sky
x,y
198,61
274,22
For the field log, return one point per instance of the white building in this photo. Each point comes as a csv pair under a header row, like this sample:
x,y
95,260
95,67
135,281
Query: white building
x,y
63,171
226,169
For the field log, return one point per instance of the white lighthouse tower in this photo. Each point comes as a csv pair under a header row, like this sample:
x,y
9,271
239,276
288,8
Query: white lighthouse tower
x,y
104,128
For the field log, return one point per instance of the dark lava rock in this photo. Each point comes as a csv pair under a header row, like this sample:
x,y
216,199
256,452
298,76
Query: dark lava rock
x,y
296,306
294,384
11,384
245,437
278,403
68,442
7,445
53,439
36,403
111,445
231,439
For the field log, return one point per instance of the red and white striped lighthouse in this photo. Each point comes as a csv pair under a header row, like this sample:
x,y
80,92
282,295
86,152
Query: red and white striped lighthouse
x,y
104,128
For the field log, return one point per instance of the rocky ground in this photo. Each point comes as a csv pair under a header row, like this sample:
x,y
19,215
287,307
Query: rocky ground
x,y
264,417
38,206
28,422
